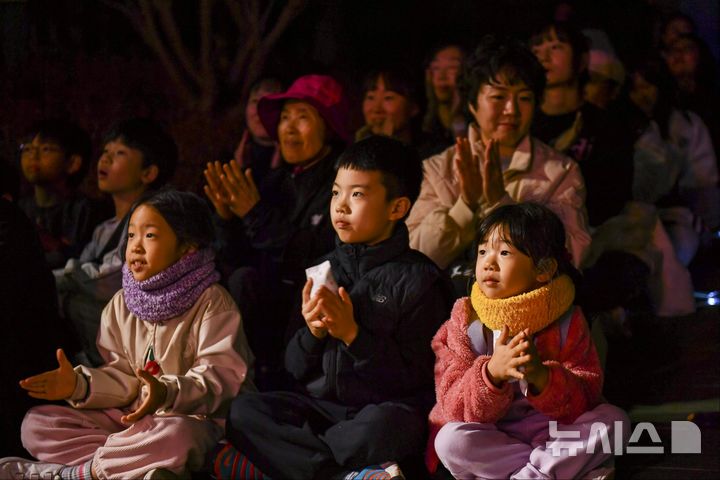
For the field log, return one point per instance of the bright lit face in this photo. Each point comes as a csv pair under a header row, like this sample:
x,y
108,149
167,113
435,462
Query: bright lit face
x,y
443,72
382,104
152,244
556,57
301,132
120,169
682,58
643,94
43,162
502,270
252,119
359,209
504,112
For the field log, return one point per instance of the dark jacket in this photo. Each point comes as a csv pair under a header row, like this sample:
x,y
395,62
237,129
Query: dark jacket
x,y
289,225
400,299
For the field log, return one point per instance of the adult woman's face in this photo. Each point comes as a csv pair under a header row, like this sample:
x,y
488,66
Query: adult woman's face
x,y
443,72
556,57
682,58
382,105
504,112
301,132
252,119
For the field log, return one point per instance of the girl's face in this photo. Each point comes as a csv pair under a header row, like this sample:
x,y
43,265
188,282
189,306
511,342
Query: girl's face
x,y
504,112
152,244
382,105
301,132
120,169
443,72
556,57
503,271
682,58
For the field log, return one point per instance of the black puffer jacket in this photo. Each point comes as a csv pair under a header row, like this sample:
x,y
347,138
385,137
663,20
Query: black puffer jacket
x,y
400,299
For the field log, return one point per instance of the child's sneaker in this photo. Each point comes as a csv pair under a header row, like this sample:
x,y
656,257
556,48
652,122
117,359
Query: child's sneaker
x,y
14,468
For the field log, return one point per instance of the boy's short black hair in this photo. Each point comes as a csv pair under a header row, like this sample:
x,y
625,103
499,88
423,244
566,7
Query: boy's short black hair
x,y
187,214
72,139
495,55
156,145
567,33
399,164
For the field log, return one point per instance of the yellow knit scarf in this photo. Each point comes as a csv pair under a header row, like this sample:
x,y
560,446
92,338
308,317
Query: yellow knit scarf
x,y
535,309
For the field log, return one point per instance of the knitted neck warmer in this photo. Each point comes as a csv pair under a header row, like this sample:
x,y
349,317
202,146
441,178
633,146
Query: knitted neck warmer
x,y
535,309
174,290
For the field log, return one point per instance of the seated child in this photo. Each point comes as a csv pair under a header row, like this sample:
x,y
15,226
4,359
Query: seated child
x,y
175,355
363,358
516,355
54,161
138,155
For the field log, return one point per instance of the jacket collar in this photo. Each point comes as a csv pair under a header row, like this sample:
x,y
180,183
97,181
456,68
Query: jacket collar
x,y
352,261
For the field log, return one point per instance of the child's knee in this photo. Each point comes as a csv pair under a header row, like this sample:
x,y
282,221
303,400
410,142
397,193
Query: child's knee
x,y
449,442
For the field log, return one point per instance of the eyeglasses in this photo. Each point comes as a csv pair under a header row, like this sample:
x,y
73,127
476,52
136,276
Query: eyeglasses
x,y
28,149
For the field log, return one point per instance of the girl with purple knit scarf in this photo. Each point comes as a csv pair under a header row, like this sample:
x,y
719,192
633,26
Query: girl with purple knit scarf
x,y
175,355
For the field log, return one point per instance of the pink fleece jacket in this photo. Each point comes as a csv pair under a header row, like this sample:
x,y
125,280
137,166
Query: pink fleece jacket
x,y
464,393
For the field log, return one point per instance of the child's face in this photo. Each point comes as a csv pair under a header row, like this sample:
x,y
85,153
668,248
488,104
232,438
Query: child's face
x,y
556,58
443,72
44,162
120,169
381,105
301,132
502,270
504,111
359,209
152,244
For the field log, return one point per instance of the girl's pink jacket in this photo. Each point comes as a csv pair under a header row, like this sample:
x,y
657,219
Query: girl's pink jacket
x,y
464,393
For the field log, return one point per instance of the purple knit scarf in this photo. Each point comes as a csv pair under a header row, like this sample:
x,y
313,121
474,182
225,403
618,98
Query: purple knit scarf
x,y
174,290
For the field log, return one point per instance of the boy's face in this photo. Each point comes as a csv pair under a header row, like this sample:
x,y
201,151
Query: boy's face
x,y
503,271
120,169
359,209
301,132
382,105
44,162
443,72
556,58
152,244
504,112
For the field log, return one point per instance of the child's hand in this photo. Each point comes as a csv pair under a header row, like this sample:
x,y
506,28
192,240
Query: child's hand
x,y
535,372
156,395
243,194
215,191
311,312
467,173
58,384
507,357
338,314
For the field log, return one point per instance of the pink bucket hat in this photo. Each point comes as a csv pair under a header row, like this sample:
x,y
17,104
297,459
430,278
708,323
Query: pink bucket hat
x,y
322,92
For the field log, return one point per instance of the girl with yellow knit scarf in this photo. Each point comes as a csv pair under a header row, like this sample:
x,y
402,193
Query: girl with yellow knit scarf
x,y
516,364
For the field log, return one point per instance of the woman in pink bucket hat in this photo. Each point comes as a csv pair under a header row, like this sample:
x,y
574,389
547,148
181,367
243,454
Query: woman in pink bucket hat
x,y
283,222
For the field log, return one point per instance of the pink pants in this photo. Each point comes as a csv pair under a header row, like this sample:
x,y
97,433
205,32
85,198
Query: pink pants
x,y
68,436
519,448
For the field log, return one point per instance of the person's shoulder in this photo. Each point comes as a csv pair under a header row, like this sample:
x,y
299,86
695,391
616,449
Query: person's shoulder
x,y
217,299
440,163
549,155
413,272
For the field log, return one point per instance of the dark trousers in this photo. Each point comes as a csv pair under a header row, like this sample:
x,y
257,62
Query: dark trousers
x,y
290,435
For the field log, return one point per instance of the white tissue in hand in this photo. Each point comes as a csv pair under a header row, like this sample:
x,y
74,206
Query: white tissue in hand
x,y
322,275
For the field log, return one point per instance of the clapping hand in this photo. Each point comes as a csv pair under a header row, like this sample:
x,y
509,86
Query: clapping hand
x,y
156,395
231,190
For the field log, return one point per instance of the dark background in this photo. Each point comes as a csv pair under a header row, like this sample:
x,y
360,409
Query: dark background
x,y
83,59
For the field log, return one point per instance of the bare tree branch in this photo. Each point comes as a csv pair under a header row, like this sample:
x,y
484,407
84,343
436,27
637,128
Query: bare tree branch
x,y
167,21
291,10
208,74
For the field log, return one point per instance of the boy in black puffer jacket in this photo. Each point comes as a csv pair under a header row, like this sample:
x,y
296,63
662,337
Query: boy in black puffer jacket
x,y
363,358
